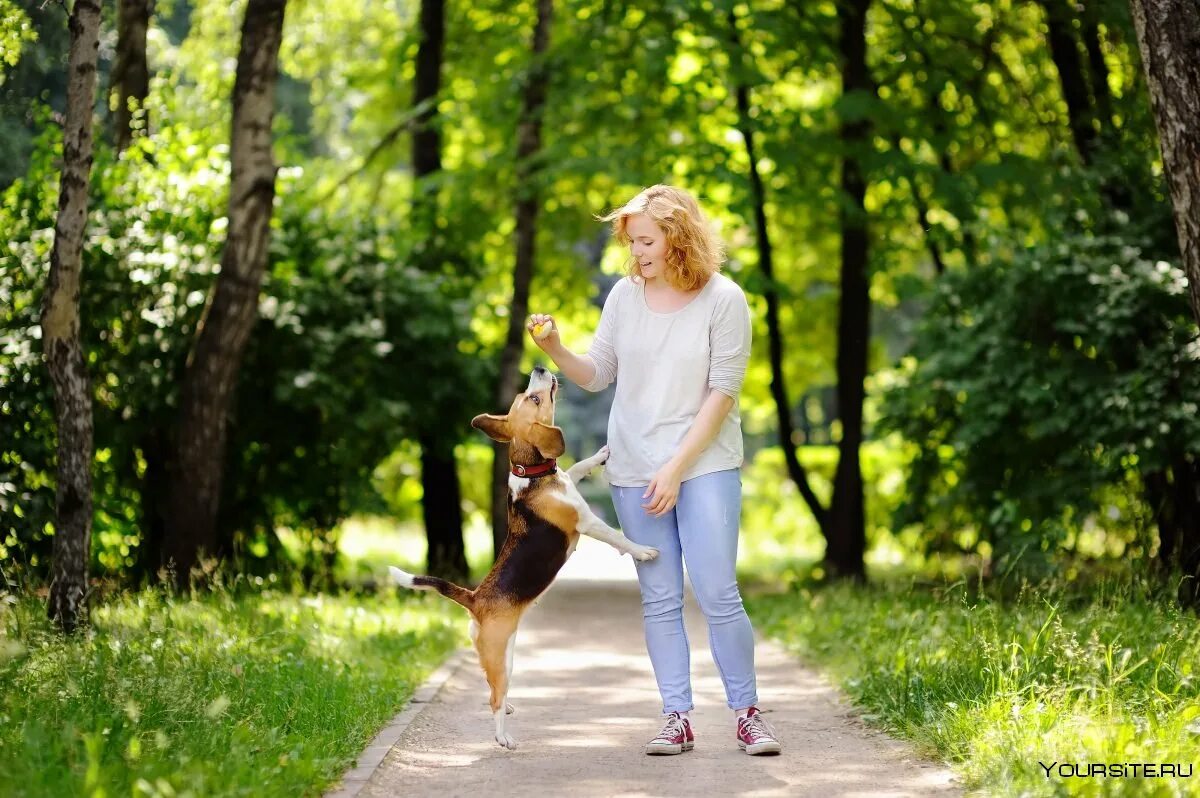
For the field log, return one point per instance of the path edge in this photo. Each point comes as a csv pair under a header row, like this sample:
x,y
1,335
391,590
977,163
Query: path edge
x,y
900,749
368,761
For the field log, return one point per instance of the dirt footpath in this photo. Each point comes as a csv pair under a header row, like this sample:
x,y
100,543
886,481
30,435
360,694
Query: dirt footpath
x,y
586,703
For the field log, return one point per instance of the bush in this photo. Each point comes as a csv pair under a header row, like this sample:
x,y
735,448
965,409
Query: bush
x,y
1042,393
357,348
778,527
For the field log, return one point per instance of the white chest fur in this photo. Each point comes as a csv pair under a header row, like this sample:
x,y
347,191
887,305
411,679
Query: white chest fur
x,y
517,484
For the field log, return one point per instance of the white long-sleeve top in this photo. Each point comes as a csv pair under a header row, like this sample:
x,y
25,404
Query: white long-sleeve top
x,y
664,365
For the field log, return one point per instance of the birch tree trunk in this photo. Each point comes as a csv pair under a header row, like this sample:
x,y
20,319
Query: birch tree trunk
x,y
1168,33
60,331
210,377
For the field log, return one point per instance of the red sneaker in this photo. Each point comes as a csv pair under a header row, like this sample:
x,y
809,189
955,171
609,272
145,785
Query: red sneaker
x,y
755,735
675,737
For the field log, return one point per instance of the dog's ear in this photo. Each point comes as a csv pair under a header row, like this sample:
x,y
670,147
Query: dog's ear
x,y
496,427
548,440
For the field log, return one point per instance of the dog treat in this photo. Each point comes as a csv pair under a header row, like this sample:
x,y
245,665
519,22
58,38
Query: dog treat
x,y
542,330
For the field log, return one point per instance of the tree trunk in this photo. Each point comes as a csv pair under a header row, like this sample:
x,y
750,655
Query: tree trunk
x,y
1097,68
1173,495
60,332
441,505
130,79
529,142
1168,34
153,488
846,538
441,508
1185,488
1116,188
1064,50
783,407
210,377
1157,495
427,147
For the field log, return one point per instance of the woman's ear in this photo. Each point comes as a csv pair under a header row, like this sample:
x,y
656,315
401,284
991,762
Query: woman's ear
x,y
496,427
548,440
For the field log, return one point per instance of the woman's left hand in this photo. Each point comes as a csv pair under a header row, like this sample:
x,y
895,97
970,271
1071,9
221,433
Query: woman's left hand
x,y
663,490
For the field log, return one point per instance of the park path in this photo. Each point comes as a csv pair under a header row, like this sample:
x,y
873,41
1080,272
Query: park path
x,y
586,702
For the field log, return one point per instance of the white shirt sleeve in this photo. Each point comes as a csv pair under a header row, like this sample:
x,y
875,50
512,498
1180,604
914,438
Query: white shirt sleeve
x,y
729,343
602,352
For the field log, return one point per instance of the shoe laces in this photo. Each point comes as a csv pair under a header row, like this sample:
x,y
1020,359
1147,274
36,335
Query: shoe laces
x,y
756,727
672,728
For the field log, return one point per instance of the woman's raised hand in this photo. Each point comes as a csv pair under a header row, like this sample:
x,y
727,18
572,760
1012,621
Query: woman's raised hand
x,y
543,330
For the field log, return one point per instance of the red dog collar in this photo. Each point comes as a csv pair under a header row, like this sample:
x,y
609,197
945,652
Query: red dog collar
x,y
539,470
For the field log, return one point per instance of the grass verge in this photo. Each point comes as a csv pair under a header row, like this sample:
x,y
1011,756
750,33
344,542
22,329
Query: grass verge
x,y
1067,674
247,692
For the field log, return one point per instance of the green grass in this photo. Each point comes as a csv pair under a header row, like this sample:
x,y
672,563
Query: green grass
x,y
246,692
1105,673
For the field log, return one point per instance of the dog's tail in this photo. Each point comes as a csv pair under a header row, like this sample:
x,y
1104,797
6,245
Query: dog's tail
x,y
448,589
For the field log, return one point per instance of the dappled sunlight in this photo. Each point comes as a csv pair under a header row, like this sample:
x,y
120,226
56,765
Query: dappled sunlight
x,y
571,742
450,760
367,545
998,685
586,703
944,267
207,690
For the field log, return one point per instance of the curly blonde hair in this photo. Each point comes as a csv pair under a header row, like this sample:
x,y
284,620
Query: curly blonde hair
x,y
694,252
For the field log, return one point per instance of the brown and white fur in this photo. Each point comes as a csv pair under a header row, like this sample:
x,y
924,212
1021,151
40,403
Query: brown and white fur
x,y
546,515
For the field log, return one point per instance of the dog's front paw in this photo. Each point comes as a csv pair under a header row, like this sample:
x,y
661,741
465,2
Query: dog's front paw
x,y
509,709
602,455
644,553
506,741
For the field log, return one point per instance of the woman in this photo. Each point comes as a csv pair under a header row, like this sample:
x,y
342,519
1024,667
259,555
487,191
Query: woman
x,y
675,335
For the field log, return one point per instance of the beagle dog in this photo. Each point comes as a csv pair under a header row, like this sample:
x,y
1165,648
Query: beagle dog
x,y
546,516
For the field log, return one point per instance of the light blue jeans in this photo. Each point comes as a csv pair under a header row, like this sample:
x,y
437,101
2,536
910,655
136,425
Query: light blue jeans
x,y
702,529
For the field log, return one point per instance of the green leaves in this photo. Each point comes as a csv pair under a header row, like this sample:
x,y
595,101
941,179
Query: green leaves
x,y
377,326
15,30
361,344
1043,372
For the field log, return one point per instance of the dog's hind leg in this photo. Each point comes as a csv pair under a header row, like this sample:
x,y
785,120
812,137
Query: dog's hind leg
x,y
494,645
473,631
512,644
